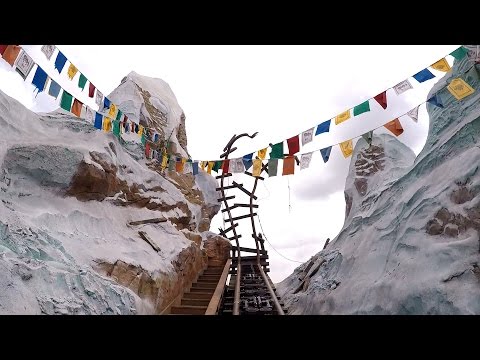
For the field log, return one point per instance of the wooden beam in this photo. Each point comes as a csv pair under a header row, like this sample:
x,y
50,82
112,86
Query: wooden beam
x,y
243,217
230,228
223,175
216,299
227,187
226,198
147,221
263,252
249,173
236,205
233,237
145,237
240,187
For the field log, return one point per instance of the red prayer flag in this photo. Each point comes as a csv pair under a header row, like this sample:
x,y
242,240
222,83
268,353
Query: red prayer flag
x,y
147,150
288,165
91,90
226,166
2,49
77,107
293,145
11,53
382,99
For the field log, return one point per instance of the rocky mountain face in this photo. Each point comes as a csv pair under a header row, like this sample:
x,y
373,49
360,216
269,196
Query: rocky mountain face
x,y
68,195
410,242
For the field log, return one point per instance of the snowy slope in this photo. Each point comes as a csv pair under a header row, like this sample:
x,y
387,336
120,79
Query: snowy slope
x,y
56,241
410,242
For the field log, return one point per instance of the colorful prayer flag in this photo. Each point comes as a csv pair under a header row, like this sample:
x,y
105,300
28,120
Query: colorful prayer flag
x,y
423,75
414,113
116,129
106,103
362,108
293,145
147,147
112,111
237,166
98,98
66,102
395,127
382,99
107,124
459,53
262,153
98,121
460,89
225,166
368,137
119,114
11,53
72,71
435,100
91,90
60,61
48,51
179,165
326,153
77,107
217,165
89,116
272,167
24,64
39,80
195,167
210,166
305,160
347,148
3,48
257,167
288,165
277,151
172,162
441,65
247,161
323,127
307,136
82,81
403,86
342,117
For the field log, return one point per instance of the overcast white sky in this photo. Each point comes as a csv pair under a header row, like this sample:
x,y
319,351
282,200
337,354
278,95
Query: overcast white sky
x,y
278,91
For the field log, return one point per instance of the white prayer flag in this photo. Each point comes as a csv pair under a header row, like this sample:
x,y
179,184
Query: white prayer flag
x,y
307,136
414,113
305,160
48,50
98,98
236,166
403,86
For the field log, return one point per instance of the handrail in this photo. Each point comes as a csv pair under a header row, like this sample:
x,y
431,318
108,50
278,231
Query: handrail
x,y
216,299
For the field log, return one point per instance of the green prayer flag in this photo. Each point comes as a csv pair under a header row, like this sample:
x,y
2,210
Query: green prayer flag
x,y
144,139
66,102
459,53
368,137
277,151
119,115
360,109
116,128
82,81
272,167
171,163
217,165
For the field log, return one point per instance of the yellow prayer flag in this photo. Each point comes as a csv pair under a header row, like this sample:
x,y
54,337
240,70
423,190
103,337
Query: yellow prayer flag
x,y
257,167
107,124
140,130
113,110
164,161
342,117
72,70
262,153
210,167
460,88
441,65
347,148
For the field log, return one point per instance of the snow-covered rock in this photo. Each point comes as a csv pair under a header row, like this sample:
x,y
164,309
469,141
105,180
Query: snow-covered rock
x,y
68,192
410,241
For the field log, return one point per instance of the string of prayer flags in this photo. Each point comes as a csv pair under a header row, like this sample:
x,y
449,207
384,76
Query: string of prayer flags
x,y
77,107
272,167
11,53
72,71
195,168
460,89
305,160
257,167
293,145
368,137
91,90
39,80
82,81
48,51
362,108
225,166
262,153
217,165
382,99
106,103
307,136
237,166
423,75
403,86
347,148
107,124
98,121
24,64
98,98
459,53
323,127
441,65
395,127
435,100
277,151
413,114
288,165
342,117
60,61
66,102
326,153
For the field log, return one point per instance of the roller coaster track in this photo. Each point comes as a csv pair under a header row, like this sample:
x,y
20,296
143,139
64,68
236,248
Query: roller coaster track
x,y
250,290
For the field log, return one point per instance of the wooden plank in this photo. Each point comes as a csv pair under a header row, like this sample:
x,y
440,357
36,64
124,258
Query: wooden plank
x,y
230,228
251,258
243,217
240,187
250,174
236,205
233,237
147,221
223,175
249,250
226,198
227,187
214,303
145,237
